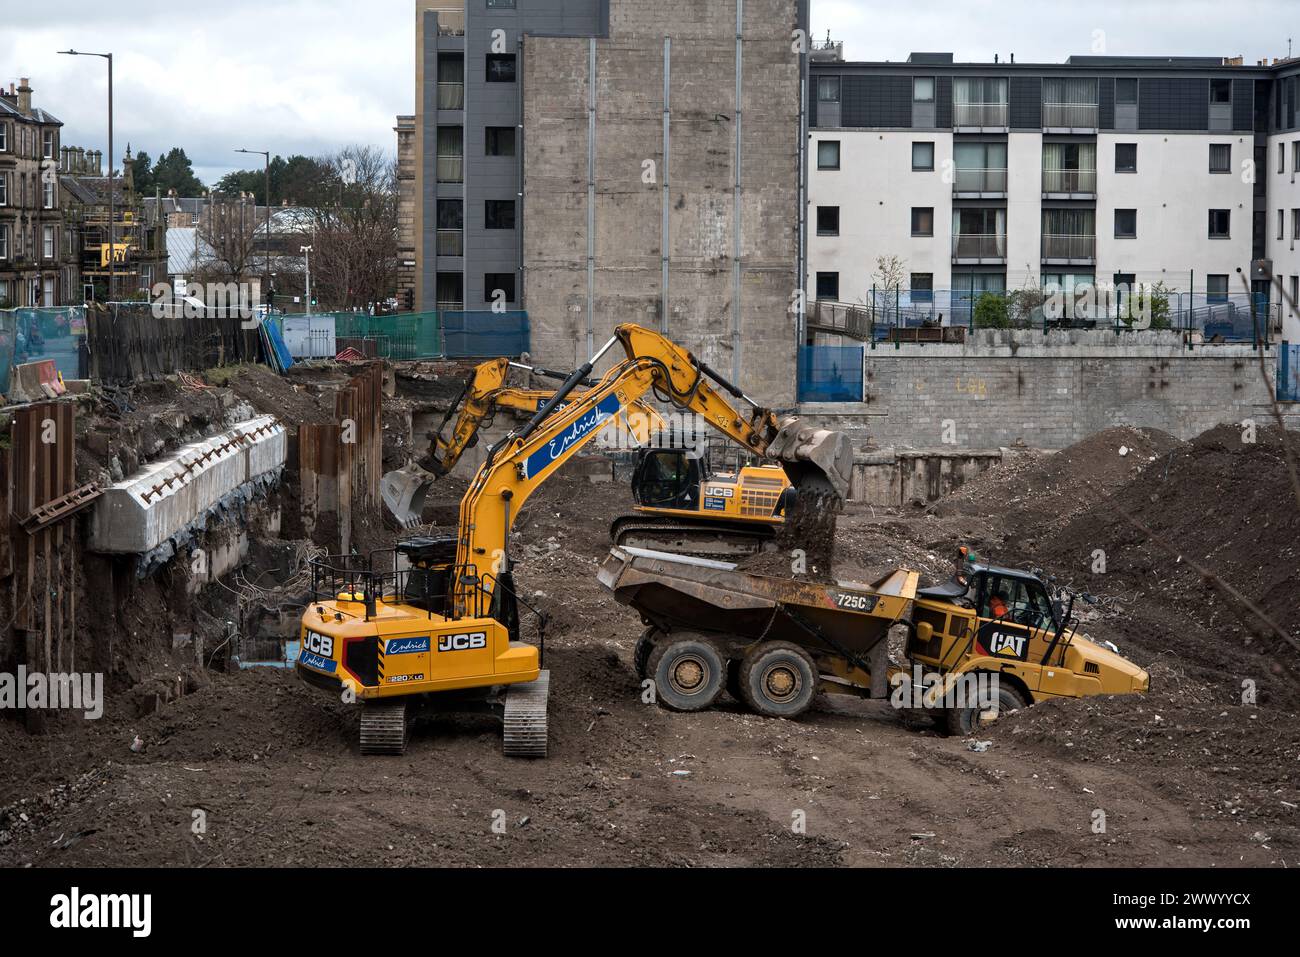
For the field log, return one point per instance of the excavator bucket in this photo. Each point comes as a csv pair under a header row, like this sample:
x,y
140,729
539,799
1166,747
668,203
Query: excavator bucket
x,y
814,457
404,492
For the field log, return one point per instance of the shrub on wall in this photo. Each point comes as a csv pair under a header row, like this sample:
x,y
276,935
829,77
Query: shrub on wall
x,y
991,312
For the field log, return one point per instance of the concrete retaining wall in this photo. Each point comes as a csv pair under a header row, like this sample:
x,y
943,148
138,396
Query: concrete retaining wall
x,y
891,478
1004,388
144,512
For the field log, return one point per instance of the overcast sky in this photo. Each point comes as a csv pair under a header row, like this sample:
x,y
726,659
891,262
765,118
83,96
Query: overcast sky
x,y
337,72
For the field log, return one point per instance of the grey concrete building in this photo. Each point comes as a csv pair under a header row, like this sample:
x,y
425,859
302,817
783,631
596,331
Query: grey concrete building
x,y
595,162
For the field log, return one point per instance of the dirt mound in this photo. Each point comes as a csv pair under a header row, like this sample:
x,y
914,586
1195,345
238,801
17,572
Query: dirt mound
x,y
1227,506
1036,495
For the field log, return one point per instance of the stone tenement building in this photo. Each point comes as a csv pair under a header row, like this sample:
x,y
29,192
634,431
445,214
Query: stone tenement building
x,y
596,162
37,257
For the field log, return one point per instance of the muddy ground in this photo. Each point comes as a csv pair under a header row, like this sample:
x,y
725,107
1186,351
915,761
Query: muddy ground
x,y
1185,776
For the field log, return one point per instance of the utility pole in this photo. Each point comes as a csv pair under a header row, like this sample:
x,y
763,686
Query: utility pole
x,y
266,154
112,198
306,251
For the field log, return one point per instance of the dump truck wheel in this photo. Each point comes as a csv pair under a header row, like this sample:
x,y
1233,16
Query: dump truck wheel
x,y
688,674
779,680
645,645
965,721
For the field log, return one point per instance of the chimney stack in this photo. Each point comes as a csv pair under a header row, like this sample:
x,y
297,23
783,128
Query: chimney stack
x,y
25,96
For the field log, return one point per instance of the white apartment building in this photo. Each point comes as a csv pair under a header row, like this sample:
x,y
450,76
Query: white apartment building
x,y
971,177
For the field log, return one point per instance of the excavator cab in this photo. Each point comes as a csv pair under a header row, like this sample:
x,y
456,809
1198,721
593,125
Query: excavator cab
x,y
668,478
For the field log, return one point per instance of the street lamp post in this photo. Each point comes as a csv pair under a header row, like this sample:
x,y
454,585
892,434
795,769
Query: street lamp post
x,y
112,198
266,154
306,251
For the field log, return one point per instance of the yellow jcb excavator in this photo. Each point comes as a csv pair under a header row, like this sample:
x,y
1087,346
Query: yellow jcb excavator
x,y
434,620
405,491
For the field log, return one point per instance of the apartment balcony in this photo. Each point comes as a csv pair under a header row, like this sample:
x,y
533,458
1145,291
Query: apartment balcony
x,y
979,116
1069,250
451,169
1070,182
451,96
451,242
979,183
971,249
1070,117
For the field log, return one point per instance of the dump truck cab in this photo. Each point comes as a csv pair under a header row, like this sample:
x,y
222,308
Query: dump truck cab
x,y
1006,621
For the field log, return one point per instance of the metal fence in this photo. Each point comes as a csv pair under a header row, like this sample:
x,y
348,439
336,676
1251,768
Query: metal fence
x,y
1231,318
830,373
1288,373
40,334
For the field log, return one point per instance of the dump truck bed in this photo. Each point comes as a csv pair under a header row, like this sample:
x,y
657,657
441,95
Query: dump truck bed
x,y
679,593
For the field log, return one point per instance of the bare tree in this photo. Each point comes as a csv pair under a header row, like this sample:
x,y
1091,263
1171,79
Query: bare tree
x,y
354,234
228,235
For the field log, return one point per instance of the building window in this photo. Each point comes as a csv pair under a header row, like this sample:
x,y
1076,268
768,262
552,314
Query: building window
x,y
923,89
4,189
499,285
1220,157
1220,91
48,142
1126,158
828,154
1295,294
828,220
923,157
501,68
1281,224
1126,223
501,4
1216,288
922,220
48,248
500,141
828,286
1220,223
1295,224
49,188
4,240
922,285
1295,157
499,214
1281,157
1126,92
828,89
4,137
4,293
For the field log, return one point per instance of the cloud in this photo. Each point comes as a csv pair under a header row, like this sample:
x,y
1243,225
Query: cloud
x,y
294,77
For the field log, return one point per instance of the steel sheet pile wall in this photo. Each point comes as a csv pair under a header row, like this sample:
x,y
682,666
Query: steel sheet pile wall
x,y
38,544
341,464
128,343
148,510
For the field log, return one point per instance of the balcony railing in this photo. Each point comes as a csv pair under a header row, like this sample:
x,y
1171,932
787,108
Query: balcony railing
x,y
1069,181
1069,247
979,114
451,242
980,181
966,246
1074,116
451,169
450,305
451,96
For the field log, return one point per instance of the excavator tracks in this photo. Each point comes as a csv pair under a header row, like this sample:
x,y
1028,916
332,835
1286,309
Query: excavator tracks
x,y
383,729
525,732
721,541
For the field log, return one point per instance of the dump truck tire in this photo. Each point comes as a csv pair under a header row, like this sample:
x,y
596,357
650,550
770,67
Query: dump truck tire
x,y
645,645
778,680
688,673
965,721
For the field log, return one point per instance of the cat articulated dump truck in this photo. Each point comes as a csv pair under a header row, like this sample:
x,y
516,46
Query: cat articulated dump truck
x,y
437,622
775,643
